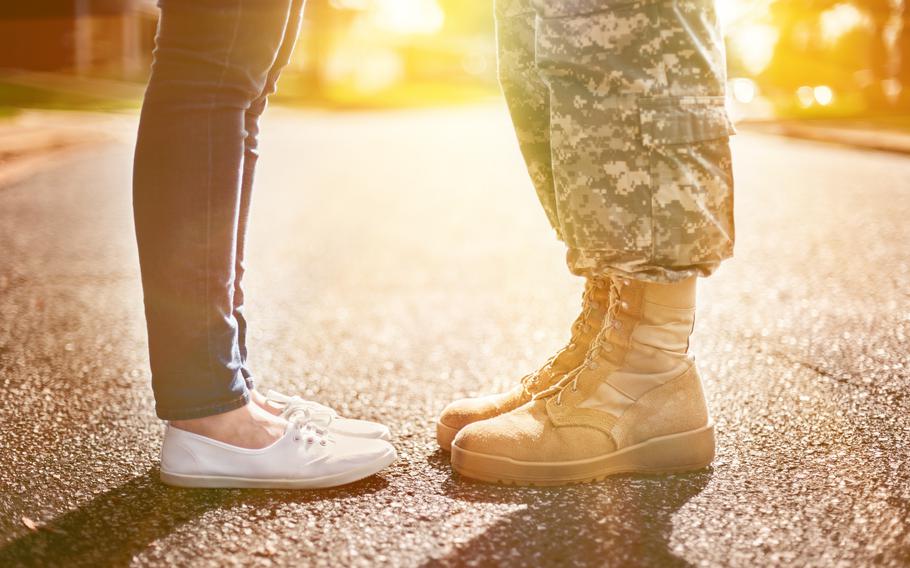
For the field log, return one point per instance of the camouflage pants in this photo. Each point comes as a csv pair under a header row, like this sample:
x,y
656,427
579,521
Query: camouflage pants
x,y
619,110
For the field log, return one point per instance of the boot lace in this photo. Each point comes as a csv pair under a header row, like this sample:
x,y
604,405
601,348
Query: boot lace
x,y
588,305
600,345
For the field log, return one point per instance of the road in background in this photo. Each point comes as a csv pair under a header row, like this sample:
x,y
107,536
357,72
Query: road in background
x,y
400,260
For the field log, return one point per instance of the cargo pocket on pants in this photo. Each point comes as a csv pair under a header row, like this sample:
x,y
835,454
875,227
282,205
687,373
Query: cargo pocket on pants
x,y
691,180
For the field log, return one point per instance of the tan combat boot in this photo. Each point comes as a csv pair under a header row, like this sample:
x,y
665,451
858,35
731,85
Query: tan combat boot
x,y
460,413
635,405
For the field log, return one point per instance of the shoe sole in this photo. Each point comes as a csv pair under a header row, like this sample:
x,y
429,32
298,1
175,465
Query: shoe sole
x,y
227,482
444,436
687,451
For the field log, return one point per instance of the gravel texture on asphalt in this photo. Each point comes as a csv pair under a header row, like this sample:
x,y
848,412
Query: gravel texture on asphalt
x,y
399,260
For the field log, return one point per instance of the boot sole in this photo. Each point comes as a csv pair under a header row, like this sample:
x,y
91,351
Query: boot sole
x,y
686,451
444,436
228,482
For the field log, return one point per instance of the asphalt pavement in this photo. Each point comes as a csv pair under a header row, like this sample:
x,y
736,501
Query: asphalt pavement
x,y
400,260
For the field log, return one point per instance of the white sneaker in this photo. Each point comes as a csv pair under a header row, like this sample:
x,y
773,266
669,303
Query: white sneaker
x,y
306,457
327,417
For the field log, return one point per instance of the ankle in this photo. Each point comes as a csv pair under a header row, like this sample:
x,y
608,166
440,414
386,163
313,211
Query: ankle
x,y
249,426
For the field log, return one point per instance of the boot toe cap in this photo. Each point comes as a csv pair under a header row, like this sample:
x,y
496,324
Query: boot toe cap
x,y
465,411
527,434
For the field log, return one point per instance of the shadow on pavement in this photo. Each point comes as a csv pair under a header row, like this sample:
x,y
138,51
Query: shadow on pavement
x,y
626,520
118,524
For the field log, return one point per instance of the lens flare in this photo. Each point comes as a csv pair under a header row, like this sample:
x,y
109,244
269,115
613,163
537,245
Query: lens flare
x,y
823,95
744,90
806,96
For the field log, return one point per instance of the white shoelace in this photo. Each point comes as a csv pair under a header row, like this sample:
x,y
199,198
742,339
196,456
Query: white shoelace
x,y
302,421
309,417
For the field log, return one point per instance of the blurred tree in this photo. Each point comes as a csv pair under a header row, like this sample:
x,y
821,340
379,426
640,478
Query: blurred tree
x,y
467,18
324,22
881,54
863,59
902,53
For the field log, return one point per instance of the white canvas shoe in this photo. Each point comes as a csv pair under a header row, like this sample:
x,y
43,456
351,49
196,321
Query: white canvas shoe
x,y
306,457
328,417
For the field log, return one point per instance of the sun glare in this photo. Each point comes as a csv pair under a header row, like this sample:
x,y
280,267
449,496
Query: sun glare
x,y
754,44
744,90
409,16
751,35
729,11
735,12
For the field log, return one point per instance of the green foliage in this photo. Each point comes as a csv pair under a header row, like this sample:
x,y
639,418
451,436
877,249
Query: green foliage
x,y
13,95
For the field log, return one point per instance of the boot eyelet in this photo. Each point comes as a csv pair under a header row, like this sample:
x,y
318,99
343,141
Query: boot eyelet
x,y
625,305
570,347
607,347
617,324
593,365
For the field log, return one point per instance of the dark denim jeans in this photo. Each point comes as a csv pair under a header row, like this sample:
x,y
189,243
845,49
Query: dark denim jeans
x,y
216,63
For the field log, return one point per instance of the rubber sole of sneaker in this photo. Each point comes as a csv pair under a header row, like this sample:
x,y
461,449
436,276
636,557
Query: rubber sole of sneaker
x,y
226,482
686,451
444,436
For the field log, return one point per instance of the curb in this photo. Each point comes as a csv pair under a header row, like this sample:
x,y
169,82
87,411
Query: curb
x,y
873,140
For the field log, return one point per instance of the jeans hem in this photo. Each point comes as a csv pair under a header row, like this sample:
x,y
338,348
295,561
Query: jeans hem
x,y
248,378
204,411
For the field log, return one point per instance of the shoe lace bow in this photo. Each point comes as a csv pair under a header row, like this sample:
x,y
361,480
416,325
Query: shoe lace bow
x,y
305,414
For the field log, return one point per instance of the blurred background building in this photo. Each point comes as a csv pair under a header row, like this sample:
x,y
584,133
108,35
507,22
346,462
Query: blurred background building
x,y
802,58
84,37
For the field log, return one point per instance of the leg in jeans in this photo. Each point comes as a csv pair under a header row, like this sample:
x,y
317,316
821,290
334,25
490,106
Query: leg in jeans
x,y
250,157
216,61
212,62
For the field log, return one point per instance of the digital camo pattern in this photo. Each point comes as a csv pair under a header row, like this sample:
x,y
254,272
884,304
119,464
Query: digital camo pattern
x,y
528,98
628,97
